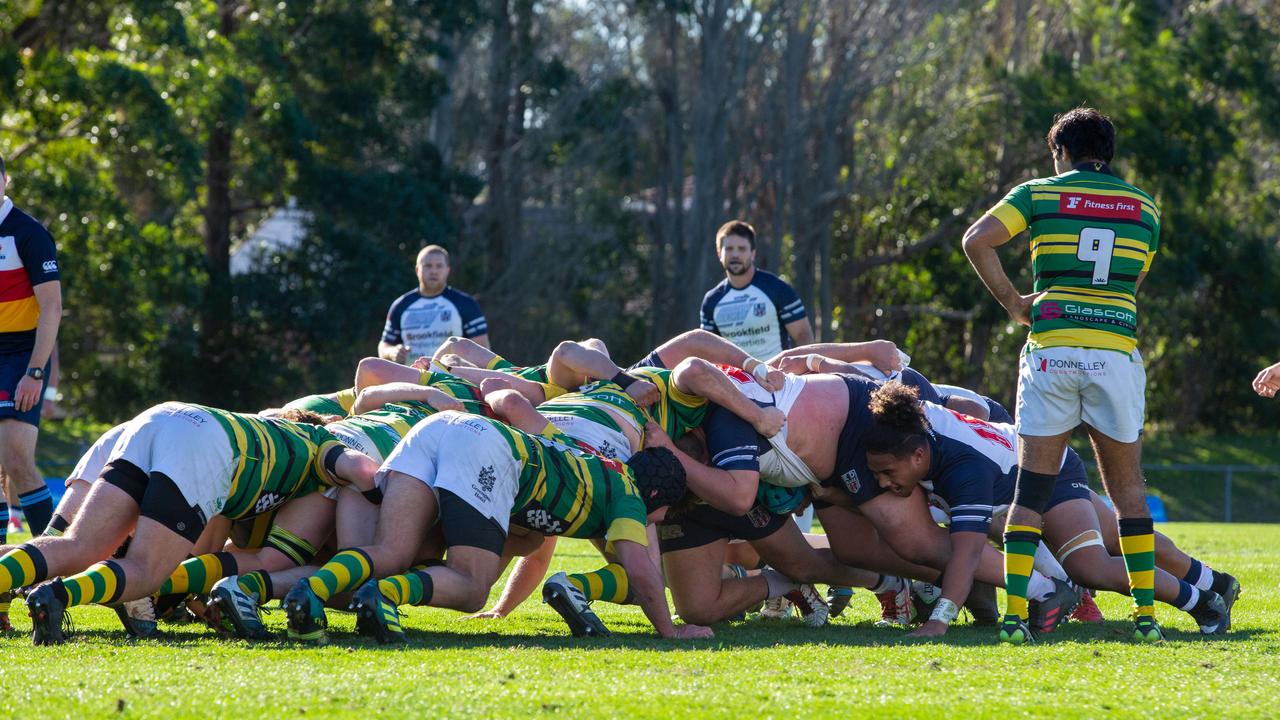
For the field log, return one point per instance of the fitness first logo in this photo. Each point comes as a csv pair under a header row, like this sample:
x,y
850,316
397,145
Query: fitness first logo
x,y
1100,206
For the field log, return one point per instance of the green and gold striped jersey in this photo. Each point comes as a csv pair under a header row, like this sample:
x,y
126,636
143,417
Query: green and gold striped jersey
x,y
1092,234
337,403
453,386
675,412
384,427
564,490
274,461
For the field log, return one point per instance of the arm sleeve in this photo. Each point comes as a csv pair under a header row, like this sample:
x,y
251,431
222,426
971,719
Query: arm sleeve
x,y
1014,211
731,441
708,320
39,256
473,320
391,331
627,519
970,487
785,298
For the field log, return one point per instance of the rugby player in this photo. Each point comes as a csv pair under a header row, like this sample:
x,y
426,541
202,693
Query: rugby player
x,y
1267,381
173,469
1093,238
476,477
970,465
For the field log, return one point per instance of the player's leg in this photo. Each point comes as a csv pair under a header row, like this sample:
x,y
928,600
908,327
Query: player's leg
x,y
375,371
18,458
701,596
525,577
468,350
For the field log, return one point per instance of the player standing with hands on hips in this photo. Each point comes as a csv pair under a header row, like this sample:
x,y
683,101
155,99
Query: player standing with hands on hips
x,y
1093,237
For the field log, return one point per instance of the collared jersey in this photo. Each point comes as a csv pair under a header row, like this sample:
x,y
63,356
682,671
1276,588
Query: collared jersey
x,y
27,258
565,490
755,317
424,323
275,461
1091,235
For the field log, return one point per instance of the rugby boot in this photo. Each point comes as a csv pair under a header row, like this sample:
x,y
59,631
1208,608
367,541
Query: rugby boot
x,y
776,608
138,618
1230,594
813,610
47,610
895,605
567,600
234,611
1147,630
1087,611
838,599
5,600
1047,613
1015,631
376,616
307,621
1211,613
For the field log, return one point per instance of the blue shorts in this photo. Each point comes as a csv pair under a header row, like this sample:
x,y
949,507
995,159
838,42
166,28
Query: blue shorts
x,y
1073,481
13,366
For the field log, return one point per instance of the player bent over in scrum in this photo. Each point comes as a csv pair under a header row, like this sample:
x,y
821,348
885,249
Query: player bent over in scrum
x,y
474,477
971,465
174,468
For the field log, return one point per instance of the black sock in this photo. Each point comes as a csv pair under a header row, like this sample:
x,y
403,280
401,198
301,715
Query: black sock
x,y
37,505
4,522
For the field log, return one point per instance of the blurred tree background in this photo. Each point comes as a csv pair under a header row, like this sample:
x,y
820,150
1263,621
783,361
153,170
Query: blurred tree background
x,y
576,157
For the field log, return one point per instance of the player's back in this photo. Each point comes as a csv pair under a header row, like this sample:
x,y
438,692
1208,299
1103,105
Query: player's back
x,y
1092,235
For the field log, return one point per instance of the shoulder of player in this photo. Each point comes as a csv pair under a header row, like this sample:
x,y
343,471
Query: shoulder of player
x,y
459,298
23,227
405,300
766,280
716,292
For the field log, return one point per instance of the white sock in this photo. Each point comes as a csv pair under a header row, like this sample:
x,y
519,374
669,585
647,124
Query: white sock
x,y
1047,564
1195,598
1205,581
887,583
1039,587
779,584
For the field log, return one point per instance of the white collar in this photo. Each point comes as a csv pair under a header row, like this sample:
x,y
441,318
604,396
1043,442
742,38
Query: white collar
x,y
5,207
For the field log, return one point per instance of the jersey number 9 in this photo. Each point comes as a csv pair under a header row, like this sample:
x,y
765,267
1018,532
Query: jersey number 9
x,y
1096,245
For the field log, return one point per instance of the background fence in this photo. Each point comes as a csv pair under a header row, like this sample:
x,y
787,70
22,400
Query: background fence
x,y
1212,493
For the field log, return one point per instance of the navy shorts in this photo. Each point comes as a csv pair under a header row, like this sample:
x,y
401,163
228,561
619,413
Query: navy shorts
x,y
703,525
1073,481
651,360
13,366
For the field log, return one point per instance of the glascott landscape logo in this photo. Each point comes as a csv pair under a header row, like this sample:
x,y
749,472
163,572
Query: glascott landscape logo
x,y
1050,311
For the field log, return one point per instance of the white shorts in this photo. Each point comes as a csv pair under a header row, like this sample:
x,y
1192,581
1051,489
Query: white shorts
x,y
92,462
1060,387
463,454
186,444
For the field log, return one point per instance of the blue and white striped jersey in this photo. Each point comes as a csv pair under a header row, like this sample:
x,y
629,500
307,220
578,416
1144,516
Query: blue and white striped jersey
x,y
755,317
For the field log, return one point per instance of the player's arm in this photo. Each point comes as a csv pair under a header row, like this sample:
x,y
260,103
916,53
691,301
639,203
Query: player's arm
x,y
882,354
525,577
957,580
695,376
467,349
650,594
718,351
348,467
730,491
477,376
1142,275
573,364
980,243
967,406
49,298
514,409
380,371
481,340
801,331
372,398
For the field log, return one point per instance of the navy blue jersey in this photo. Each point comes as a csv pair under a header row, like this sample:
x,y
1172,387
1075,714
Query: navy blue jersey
x,y
755,317
972,466
27,258
424,323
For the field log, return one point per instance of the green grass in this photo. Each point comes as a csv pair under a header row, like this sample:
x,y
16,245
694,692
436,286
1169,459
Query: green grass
x,y
528,665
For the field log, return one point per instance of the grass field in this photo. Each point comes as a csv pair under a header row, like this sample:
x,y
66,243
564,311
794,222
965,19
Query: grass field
x,y
528,666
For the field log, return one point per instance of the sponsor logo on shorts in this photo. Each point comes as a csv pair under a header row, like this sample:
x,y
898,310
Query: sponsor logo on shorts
x,y
759,517
851,481
487,478
1080,486
1056,366
670,532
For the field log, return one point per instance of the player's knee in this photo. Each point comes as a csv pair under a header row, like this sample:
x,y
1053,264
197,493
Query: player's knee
x,y
475,597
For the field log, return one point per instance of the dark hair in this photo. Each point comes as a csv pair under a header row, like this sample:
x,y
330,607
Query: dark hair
x,y
304,417
898,424
1084,133
739,228
659,477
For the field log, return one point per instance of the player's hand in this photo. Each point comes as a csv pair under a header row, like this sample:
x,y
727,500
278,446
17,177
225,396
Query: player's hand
x,y
794,365
804,504
933,628
692,632
831,495
644,393
769,421
1020,309
486,615
424,363
494,384
774,380
402,353
1268,381
442,401
27,393
655,436
883,354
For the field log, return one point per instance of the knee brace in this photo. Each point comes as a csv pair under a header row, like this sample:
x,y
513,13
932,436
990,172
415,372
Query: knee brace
x,y
1034,490
1083,540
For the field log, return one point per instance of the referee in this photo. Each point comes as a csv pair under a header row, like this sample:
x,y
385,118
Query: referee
x,y
30,309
